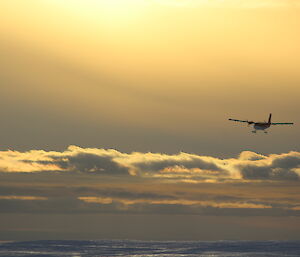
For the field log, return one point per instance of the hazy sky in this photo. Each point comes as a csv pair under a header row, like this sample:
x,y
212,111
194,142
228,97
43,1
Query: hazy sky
x,y
155,80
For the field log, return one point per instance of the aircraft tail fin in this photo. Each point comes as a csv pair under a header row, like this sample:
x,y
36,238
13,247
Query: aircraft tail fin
x,y
270,117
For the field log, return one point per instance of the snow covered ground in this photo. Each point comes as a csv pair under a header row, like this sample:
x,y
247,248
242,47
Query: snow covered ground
x,y
150,248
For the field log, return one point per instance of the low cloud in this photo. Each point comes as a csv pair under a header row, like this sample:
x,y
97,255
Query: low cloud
x,y
248,166
23,197
90,180
273,167
90,163
92,204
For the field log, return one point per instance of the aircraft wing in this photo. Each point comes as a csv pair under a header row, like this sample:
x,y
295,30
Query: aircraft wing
x,y
239,120
282,123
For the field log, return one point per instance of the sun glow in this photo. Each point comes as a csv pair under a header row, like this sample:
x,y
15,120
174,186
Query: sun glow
x,y
112,11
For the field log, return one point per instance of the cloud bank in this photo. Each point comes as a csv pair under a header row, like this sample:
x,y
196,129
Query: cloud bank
x,y
90,180
248,166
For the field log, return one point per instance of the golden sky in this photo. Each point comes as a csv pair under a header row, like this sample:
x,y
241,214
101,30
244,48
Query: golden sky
x,y
124,71
156,80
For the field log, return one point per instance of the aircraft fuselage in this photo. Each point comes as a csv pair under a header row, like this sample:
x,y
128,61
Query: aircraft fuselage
x,y
261,125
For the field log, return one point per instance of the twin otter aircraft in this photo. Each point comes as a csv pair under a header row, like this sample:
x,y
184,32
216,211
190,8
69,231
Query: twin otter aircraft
x,y
263,125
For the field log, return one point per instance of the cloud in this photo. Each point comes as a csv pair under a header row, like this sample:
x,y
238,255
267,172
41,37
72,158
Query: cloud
x,y
92,204
287,161
158,162
92,163
250,156
273,167
184,202
91,180
23,197
184,167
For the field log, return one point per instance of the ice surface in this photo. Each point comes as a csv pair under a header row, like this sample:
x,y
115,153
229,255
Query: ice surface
x,y
150,248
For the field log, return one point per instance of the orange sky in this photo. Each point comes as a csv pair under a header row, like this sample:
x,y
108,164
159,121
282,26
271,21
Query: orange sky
x,y
160,76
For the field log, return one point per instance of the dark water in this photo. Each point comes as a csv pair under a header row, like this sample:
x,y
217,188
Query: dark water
x,y
150,248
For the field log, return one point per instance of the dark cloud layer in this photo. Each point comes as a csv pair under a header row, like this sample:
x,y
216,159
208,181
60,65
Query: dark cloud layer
x,y
191,163
88,180
88,162
183,166
278,167
68,205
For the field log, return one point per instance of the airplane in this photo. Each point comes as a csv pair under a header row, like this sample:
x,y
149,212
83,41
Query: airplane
x,y
262,125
